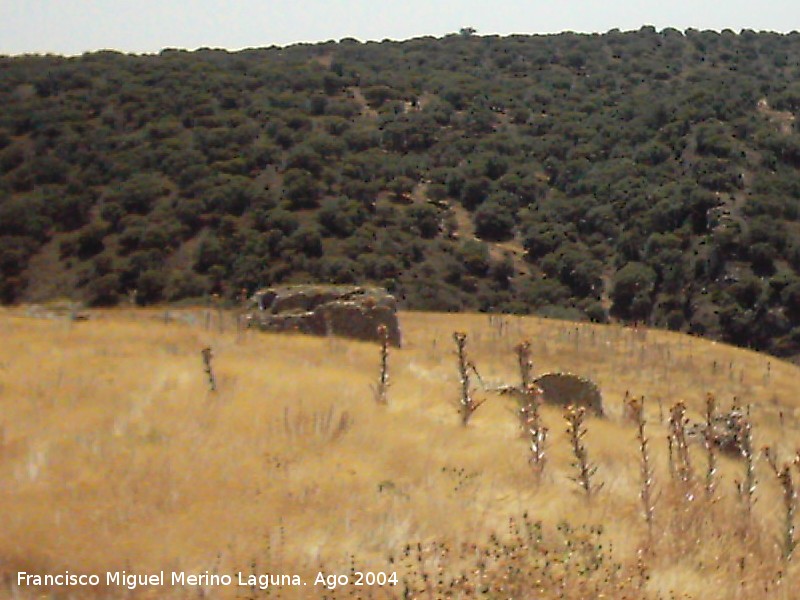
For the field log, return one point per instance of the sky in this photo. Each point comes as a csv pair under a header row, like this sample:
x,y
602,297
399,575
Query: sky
x,y
147,26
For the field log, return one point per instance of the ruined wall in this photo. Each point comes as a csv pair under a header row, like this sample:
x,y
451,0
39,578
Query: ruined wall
x,y
563,389
348,311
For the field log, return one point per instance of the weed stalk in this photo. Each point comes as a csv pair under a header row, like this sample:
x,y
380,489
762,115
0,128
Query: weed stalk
x,y
523,351
646,470
747,488
679,447
207,356
784,476
467,402
576,431
709,442
534,429
382,388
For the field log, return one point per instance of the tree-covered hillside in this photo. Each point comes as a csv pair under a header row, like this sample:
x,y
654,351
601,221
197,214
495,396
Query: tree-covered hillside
x,y
643,176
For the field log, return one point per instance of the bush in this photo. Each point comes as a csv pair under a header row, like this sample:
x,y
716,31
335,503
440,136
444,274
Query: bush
x,y
790,296
540,239
301,189
340,270
209,254
150,286
543,292
494,221
597,313
232,195
575,268
139,193
90,240
474,192
103,291
631,290
762,257
24,216
423,220
306,240
340,216
474,256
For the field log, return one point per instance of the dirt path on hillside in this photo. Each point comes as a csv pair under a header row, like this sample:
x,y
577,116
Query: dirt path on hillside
x,y
48,276
782,118
326,60
497,250
731,204
358,97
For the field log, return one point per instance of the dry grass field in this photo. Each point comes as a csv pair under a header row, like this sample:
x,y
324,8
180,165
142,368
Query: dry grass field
x,y
114,455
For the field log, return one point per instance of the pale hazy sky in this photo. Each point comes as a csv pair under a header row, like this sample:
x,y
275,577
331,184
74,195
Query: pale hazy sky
x,y
76,26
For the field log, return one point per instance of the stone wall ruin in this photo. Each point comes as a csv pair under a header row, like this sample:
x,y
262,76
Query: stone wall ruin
x,y
348,311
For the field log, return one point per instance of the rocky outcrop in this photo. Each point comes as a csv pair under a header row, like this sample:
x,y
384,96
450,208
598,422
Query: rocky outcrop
x,y
348,311
726,432
58,310
564,389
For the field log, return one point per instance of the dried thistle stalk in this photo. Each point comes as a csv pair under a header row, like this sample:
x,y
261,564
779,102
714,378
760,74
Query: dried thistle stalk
x,y
534,429
636,408
682,465
523,351
467,403
381,390
207,356
747,488
576,431
784,476
709,442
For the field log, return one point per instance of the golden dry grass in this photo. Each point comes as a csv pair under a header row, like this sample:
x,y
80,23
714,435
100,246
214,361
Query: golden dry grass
x,y
114,455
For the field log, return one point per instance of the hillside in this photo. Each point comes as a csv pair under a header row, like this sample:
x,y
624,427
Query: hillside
x,y
646,176
115,456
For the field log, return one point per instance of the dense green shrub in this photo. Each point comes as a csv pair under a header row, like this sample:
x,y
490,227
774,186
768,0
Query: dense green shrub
x,y
493,221
632,290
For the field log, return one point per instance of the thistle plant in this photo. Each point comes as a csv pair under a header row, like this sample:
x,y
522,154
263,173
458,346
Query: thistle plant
x,y
747,488
467,403
577,431
636,410
784,476
680,460
381,389
217,301
523,351
671,456
207,356
534,428
241,313
709,442
628,408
